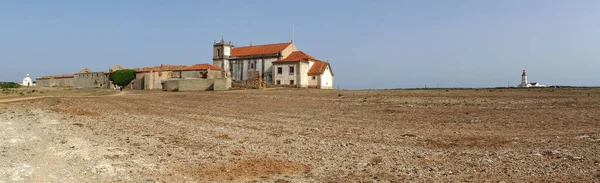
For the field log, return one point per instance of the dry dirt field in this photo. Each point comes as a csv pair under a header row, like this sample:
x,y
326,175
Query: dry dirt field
x,y
299,135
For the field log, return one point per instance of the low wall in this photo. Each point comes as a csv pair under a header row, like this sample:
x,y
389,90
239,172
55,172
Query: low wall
x,y
189,84
195,84
221,84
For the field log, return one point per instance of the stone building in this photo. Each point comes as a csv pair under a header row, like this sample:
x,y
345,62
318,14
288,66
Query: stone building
x,y
278,64
88,79
151,78
83,79
199,77
181,78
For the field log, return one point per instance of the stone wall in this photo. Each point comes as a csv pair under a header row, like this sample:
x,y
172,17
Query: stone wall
x,y
52,82
137,84
254,81
197,84
92,80
221,84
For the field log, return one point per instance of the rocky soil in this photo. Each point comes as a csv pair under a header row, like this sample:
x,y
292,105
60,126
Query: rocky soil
x,y
299,135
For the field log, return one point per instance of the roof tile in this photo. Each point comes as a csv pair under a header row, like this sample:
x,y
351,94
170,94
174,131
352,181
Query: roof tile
x,y
297,56
259,49
203,67
318,68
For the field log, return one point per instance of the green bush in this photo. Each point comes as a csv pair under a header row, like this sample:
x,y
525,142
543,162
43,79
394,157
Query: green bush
x,y
10,85
122,77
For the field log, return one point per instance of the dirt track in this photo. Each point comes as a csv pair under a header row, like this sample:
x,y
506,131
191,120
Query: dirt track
x,y
304,136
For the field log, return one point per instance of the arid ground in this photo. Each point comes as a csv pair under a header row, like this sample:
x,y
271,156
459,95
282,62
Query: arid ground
x,y
300,135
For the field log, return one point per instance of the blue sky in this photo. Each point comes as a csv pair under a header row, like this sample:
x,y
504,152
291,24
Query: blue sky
x,y
370,44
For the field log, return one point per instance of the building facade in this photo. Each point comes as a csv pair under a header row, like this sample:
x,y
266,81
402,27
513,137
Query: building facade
x,y
181,78
278,64
302,70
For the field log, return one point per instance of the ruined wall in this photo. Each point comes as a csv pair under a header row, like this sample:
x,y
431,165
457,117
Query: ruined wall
x,y
254,81
154,80
92,80
171,85
52,82
137,84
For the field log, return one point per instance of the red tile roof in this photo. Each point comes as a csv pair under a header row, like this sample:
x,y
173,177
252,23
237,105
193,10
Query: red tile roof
x,y
297,56
203,67
162,67
259,49
318,68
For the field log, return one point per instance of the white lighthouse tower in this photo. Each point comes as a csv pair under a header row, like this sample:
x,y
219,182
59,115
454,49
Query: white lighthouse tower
x,y
524,79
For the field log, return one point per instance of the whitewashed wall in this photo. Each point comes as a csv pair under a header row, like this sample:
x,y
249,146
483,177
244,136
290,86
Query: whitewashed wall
x,y
326,79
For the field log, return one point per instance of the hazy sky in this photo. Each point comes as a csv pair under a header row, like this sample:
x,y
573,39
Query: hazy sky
x,y
370,44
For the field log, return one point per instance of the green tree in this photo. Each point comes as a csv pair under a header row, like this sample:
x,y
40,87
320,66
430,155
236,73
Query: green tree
x,y
10,85
122,77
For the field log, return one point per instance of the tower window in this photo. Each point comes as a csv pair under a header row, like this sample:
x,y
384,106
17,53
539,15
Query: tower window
x,y
314,77
218,52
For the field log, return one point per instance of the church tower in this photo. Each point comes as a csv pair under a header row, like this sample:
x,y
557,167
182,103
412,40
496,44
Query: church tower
x,y
221,53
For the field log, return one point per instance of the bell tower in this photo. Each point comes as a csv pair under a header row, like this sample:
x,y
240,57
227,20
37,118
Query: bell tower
x,y
221,53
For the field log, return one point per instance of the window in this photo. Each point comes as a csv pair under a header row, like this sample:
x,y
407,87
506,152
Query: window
x,y
279,70
251,65
218,52
291,70
291,82
314,77
278,82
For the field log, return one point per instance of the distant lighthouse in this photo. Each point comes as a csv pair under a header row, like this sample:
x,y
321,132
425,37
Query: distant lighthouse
x,y
524,82
524,79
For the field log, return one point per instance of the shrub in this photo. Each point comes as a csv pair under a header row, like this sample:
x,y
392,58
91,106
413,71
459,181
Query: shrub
x,y
122,77
10,85
339,95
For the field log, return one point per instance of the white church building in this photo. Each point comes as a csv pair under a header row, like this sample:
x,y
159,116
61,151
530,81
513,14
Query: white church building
x,y
279,64
27,81
526,84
